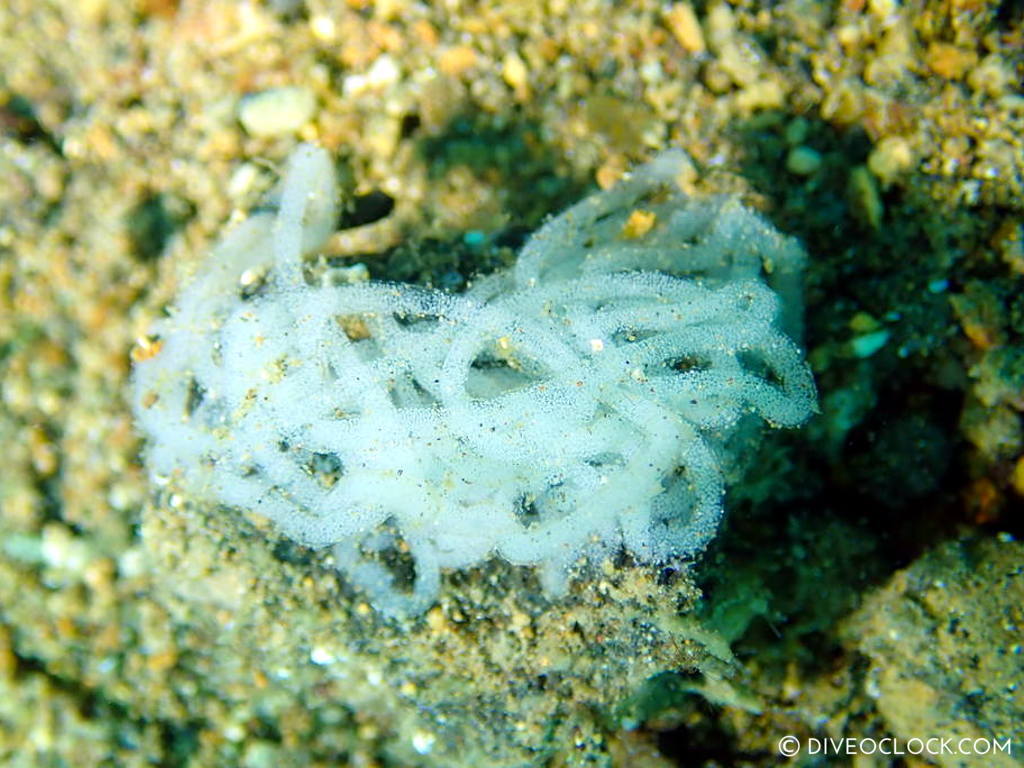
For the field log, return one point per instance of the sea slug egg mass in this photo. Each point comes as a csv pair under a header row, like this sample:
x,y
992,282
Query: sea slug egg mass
x,y
580,402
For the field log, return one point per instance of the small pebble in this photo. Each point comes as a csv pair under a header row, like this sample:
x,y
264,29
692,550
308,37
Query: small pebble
x,y
803,161
277,111
866,345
